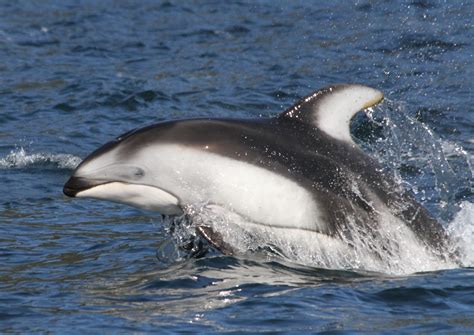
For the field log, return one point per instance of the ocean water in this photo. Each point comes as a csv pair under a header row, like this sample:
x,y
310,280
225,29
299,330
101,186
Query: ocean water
x,y
75,74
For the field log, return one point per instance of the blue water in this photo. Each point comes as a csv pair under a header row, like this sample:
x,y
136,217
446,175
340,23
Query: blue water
x,y
74,74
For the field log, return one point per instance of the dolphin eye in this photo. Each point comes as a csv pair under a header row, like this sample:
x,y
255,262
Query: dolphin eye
x,y
129,173
139,172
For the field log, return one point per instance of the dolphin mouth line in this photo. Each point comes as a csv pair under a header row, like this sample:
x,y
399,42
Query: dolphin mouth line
x,y
138,195
76,185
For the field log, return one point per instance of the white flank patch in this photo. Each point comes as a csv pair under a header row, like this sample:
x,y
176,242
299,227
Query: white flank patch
x,y
197,176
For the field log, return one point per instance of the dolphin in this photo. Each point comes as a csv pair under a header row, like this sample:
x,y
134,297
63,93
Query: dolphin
x,y
299,170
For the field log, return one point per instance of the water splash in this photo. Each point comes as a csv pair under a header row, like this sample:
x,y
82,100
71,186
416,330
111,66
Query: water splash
x,y
184,242
394,249
20,158
461,231
438,172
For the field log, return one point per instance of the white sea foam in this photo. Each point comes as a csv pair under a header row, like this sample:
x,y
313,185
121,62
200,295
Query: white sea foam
x,y
440,169
20,158
393,249
461,231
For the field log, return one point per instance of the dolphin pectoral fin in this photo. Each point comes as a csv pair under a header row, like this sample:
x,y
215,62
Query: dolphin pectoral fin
x,y
215,239
332,108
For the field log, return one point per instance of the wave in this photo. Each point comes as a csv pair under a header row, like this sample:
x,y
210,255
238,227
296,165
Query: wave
x,y
20,158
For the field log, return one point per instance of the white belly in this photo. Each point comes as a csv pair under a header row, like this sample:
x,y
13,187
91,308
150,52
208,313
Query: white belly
x,y
196,176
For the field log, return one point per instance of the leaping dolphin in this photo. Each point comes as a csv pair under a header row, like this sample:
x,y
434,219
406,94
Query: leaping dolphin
x,y
300,170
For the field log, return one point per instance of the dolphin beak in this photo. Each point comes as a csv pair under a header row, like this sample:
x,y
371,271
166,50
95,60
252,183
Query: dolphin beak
x,y
77,184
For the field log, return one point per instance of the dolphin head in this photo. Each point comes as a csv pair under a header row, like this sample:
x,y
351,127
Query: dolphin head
x,y
116,173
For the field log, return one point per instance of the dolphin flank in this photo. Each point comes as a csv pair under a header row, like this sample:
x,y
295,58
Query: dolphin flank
x,y
300,170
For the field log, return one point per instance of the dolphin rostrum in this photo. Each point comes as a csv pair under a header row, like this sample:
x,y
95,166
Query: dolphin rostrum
x,y
300,170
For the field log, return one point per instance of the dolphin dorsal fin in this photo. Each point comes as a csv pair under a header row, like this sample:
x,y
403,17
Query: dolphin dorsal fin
x,y
331,109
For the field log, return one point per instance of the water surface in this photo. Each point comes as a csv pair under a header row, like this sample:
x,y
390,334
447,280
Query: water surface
x,y
75,74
